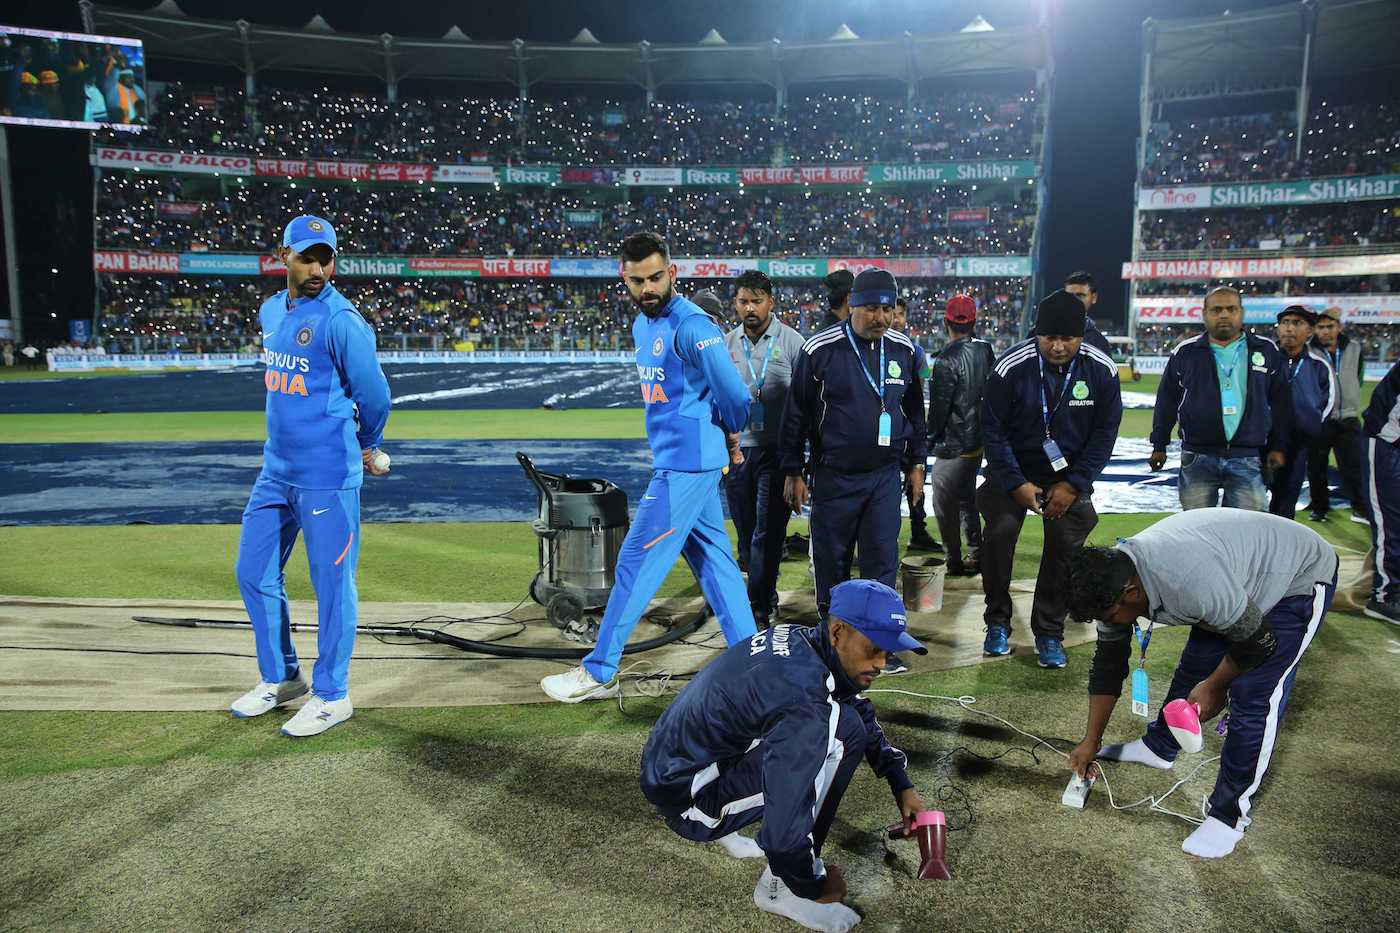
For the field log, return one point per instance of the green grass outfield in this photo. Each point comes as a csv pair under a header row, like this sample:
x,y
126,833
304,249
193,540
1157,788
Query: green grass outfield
x,y
530,818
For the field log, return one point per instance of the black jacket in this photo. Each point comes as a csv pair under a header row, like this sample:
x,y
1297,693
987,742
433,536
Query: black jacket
x,y
832,404
955,397
1189,395
1084,419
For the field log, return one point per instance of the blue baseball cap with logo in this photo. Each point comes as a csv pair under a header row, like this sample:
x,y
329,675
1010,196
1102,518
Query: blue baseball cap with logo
x,y
307,231
876,611
874,287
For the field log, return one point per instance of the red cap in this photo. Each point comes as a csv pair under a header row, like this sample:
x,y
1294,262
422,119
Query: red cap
x,y
961,310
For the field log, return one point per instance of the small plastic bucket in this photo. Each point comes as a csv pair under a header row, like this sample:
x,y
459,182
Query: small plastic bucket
x,y
921,579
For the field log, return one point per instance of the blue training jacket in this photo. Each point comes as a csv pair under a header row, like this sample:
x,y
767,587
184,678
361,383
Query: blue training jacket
x,y
1189,394
1381,419
1313,386
692,390
1084,419
327,398
782,689
832,403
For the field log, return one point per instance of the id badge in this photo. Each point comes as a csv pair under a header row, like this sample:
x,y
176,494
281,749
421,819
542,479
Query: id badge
x,y
1140,700
756,416
1230,410
883,438
1053,454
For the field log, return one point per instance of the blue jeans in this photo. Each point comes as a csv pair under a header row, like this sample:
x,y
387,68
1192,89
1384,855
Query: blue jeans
x,y
1203,476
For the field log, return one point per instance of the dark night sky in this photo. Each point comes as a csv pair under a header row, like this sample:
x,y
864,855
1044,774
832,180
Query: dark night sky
x,y
1093,121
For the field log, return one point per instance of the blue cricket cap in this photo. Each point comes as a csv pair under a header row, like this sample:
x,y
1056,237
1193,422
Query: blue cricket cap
x,y
876,611
306,231
874,287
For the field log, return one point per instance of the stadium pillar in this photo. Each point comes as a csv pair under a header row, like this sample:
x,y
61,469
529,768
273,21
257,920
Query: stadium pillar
x,y
7,205
522,82
775,49
391,81
1305,75
645,47
1149,48
249,85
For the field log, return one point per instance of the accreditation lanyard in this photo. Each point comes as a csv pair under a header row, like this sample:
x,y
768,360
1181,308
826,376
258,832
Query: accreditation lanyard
x,y
1141,702
1294,366
883,427
1046,411
1238,355
748,358
878,387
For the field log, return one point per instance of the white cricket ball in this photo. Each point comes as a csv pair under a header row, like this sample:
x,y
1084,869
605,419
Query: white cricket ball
x,y
380,460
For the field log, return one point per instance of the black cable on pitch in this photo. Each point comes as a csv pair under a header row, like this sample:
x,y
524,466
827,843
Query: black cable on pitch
x,y
471,646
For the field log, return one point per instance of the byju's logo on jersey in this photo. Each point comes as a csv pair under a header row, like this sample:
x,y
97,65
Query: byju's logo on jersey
x,y
657,346
303,336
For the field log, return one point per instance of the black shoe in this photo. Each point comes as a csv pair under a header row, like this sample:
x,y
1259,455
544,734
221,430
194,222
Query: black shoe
x,y
1386,612
924,542
1317,516
895,666
962,569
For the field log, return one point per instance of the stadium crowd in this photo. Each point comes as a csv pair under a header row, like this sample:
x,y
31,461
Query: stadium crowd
x,y
1340,139
135,212
217,315
288,123
1304,227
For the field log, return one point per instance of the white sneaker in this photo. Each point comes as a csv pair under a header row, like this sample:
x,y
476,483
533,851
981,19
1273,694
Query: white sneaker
x,y
317,716
578,685
776,898
266,697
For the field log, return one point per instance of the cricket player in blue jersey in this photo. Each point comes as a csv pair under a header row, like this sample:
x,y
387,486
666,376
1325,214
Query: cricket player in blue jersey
x,y
694,397
327,403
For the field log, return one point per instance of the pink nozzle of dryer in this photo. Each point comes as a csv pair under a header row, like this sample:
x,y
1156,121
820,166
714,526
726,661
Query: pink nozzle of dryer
x,y
1184,721
931,828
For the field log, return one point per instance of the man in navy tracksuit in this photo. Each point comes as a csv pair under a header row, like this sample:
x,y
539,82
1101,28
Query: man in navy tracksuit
x,y
1254,590
1050,417
1229,392
1380,476
774,729
1313,387
856,396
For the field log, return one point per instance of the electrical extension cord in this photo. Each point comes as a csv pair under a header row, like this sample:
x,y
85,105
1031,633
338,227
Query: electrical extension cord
x,y
1154,802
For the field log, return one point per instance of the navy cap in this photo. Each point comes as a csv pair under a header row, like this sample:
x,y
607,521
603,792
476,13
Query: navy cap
x,y
876,611
1305,313
1060,314
874,287
306,231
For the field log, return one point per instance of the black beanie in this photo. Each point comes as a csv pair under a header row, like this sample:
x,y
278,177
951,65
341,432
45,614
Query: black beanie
x,y
874,287
1060,314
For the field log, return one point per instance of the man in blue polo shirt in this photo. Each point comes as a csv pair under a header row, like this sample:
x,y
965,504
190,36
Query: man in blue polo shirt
x,y
693,397
327,404
1229,392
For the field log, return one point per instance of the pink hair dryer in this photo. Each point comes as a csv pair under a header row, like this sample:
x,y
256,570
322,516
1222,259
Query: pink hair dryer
x,y
931,829
1184,721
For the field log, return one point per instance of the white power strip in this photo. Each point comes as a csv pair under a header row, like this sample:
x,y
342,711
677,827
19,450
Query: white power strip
x,y
1077,792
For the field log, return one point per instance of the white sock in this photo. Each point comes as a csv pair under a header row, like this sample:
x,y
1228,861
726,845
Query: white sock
x,y
740,846
1136,752
774,897
1212,839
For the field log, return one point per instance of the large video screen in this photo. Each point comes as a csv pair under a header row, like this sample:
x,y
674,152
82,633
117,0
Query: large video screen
x,y
71,79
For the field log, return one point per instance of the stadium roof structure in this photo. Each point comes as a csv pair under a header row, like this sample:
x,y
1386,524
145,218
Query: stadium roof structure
x,y
1276,48
171,35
